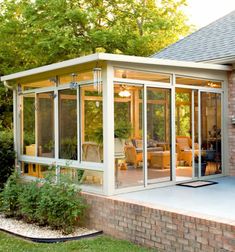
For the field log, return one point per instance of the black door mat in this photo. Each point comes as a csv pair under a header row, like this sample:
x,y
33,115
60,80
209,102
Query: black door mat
x,y
198,183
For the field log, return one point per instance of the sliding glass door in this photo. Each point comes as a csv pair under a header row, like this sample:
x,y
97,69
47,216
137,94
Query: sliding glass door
x,y
147,152
158,135
186,130
211,133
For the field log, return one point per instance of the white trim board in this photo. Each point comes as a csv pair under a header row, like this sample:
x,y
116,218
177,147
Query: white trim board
x,y
114,58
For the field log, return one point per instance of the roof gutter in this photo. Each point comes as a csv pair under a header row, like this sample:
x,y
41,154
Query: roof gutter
x,y
7,86
223,60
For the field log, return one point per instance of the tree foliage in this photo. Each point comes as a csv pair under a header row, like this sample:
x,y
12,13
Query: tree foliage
x,y
40,32
7,156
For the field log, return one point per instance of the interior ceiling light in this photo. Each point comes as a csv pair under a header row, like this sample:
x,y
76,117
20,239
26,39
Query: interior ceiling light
x,y
211,84
124,92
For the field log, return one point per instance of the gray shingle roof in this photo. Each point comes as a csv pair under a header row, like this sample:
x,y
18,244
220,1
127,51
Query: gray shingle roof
x,y
214,41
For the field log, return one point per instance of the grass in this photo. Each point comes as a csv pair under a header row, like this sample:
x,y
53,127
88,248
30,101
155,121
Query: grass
x,y
9,243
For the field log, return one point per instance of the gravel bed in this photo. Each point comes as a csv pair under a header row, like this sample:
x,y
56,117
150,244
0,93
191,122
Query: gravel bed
x,y
33,231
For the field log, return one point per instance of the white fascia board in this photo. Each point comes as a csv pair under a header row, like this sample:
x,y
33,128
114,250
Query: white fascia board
x,y
162,62
223,60
55,66
115,58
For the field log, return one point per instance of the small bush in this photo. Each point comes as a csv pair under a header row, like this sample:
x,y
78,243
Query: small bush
x,y
7,156
10,196
28,201
59,205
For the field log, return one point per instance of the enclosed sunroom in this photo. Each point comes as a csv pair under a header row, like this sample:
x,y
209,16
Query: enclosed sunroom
x,y
117,123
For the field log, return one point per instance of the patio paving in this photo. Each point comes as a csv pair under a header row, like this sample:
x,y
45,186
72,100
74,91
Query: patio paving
x,y
212,202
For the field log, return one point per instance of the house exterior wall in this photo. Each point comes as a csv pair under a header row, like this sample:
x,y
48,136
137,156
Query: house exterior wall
x,y
155,228
231,127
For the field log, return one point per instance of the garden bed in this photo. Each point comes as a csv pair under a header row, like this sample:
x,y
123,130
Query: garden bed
x,y
42,234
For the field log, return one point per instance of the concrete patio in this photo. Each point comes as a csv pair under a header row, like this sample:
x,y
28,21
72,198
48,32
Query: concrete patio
x,y
213,202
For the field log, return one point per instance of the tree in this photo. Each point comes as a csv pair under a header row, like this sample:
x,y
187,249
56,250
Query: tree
x,y
39,32
35,33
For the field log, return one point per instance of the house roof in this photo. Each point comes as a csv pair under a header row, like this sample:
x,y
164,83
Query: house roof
x,y
215,41
112,58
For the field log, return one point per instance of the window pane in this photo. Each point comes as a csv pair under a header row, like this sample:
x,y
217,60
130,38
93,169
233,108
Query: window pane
x,y
28,125
211,134
197,82
67,78
158,134
91,124
37,84
141,75
128,135
68,124
83,177
45,121
37,170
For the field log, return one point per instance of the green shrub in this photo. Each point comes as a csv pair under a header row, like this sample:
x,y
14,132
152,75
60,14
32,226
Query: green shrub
x,y
59,205
28,201
10,196
7,156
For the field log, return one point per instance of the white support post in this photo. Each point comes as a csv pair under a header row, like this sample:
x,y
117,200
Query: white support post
x,y
145,129
193,131
79,128
15,128
199,133
108,130
56,124
173,149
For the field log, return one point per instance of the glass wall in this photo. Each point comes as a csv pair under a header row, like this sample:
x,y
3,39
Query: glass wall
x,y
28,125
141,75
198,82
142,115
37,170
128,135
210,133
68,124
82,177
80,76
45,124
91,124
38,84
158,134
186,129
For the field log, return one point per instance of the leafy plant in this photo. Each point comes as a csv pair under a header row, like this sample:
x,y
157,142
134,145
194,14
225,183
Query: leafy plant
x,y
10,196
7,156
68,148
28,200
49,147
122,129
59,205
97,135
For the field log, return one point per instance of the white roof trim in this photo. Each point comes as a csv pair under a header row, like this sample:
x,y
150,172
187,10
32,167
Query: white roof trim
x,y
114,58
162,62
223,60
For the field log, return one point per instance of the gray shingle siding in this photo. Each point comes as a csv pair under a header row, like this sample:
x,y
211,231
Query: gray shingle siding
x,y
214,41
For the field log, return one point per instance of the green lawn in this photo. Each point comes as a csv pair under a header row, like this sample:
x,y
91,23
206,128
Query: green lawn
x,y
102,243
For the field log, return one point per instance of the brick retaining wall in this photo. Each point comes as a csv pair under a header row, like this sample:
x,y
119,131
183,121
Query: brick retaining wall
x,y
155,228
